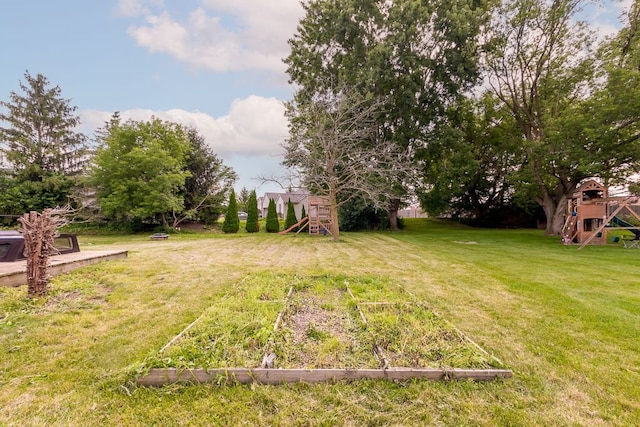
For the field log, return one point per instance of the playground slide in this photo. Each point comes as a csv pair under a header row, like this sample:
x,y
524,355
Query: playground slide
x,y
300,224
622,223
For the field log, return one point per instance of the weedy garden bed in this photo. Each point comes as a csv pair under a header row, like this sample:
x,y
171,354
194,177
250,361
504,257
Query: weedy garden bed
x,y
320,329
277,329
233,332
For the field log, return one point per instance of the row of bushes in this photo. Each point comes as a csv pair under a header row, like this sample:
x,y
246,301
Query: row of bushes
x,y
231,222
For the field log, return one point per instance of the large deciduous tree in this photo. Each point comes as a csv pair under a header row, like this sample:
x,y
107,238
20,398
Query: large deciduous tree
x,y
470,158
415,55
536,64
158,171
140,170
40,150
329,147
606,125
577,114
208,182
554,115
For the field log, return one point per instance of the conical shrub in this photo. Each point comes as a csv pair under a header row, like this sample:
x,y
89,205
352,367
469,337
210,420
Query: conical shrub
x,y
290,219
253,225
272,225
231,222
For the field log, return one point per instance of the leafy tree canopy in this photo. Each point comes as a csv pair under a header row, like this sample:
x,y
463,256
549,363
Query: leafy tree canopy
x,y
537,65
469,159
140,170
415,56
208,182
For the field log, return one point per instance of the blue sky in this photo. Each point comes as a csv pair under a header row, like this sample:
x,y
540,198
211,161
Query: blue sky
x,y
212,64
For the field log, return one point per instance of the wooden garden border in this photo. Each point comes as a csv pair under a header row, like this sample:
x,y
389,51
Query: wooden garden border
x,y
159,377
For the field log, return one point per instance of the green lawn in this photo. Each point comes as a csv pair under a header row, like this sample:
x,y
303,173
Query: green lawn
x,y
567,322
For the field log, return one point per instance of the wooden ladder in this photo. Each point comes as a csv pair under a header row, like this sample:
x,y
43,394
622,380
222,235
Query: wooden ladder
x,y
314,228
569,230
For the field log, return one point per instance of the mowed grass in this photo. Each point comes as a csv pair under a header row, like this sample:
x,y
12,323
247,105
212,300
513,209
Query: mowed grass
x,y
567,322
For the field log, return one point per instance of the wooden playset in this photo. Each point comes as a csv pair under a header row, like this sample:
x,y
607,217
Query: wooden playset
x,y
591,213
318,221
586,212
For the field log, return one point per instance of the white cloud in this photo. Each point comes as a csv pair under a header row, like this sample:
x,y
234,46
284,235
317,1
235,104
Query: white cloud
x,y
255,126
132,8
605,18
223,35
248,138
162,34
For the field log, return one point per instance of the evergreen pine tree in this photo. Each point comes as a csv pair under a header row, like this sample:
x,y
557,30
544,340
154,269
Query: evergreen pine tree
x,y
272,226
253,225
41,154
303,213
291,219
243,200
231,223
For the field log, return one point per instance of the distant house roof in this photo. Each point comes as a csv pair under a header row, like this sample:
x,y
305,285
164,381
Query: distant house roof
x,y
273,196
295,197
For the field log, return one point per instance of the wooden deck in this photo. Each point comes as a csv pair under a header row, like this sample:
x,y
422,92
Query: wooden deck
x,y
13,273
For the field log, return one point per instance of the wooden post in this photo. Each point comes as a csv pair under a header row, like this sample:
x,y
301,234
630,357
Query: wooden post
x,y
158,377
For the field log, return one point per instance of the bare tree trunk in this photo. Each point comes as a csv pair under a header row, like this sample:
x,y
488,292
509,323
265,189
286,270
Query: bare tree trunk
x,y
40,231
554,212
392,214
335,221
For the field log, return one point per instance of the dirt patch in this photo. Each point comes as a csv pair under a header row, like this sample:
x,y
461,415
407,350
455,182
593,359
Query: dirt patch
x,y
77,299
314,319
319,331
64,297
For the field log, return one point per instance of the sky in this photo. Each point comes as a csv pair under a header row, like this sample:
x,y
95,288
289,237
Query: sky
x,y
215,65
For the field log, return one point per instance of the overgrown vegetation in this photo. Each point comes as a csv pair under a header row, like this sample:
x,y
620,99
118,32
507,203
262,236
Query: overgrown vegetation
x,y
233,332
319,326
320,331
